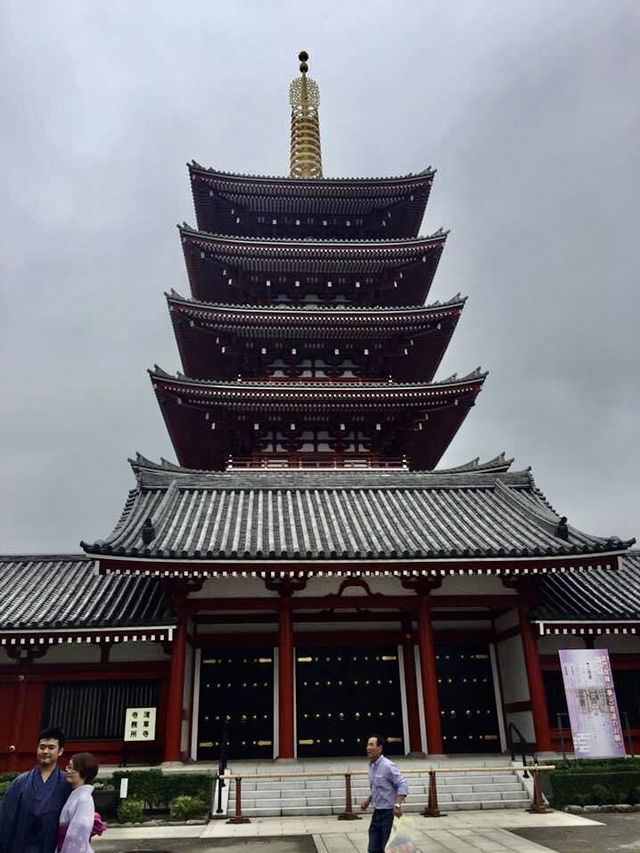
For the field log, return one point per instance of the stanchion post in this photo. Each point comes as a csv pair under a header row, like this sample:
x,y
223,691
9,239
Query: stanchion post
x,y
237,818
348,814
432,809
537,803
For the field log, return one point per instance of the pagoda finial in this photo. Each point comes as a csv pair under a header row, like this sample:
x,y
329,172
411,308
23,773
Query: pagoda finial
x,y
304,97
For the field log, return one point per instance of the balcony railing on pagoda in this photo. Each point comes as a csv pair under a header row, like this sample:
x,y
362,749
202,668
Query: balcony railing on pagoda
x,y
317,461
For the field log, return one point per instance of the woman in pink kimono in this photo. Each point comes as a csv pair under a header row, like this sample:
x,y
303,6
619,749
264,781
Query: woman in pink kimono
x,y
77,816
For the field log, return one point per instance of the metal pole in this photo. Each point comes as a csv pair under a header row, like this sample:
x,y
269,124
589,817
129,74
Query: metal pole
x,y
561,730
237,818
348,814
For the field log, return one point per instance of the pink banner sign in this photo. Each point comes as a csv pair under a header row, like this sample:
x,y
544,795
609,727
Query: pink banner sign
x,y
591,699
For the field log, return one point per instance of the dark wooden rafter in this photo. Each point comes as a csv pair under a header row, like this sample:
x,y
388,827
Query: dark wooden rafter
x,y
361,208
211,422
223,342
251,271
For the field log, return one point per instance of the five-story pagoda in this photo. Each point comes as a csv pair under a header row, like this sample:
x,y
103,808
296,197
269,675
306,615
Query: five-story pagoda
x,y
307,341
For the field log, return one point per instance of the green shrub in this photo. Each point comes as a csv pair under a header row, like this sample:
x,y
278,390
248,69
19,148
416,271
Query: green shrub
x,y
4,785
157,790
130,811
602,795
583,785
185,807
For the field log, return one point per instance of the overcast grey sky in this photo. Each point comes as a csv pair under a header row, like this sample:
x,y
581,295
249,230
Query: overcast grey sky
x,y
530,112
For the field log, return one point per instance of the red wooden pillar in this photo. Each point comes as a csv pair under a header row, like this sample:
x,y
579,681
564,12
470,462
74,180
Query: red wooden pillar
x,y
411,688
18,706
285,676
173,729
534,679
429,676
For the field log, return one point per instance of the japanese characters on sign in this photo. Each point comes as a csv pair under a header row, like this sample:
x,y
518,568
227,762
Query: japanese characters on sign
x,y
140,724
592,704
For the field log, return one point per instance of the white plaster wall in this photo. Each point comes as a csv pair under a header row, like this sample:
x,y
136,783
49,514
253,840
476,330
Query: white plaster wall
x,y
524,721
507,620
226,587
186,697
623,643
131,652
551,644
512,670
465,585
72,653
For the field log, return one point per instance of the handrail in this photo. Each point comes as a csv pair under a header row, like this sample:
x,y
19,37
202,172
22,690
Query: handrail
x,y
431,809
504,768
524,751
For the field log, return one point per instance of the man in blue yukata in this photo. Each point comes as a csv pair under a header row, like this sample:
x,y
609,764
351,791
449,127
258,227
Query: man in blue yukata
x,y
31,807
388,792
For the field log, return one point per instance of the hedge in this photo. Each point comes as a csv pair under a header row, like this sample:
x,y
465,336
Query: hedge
x,y
594,786
156,790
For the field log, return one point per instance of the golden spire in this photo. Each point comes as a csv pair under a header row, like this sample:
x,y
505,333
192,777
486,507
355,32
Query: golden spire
x,y
304,97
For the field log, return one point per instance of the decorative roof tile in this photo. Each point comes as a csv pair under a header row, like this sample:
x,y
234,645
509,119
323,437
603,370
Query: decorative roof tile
x,y
66,591
329,516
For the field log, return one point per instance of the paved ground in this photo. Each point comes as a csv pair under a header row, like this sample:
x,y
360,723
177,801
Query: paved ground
x,y
619,834
498,831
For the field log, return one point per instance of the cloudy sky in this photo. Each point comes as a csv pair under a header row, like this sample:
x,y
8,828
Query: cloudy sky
x,y
530,112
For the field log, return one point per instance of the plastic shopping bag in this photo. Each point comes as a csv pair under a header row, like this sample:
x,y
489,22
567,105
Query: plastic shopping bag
x,y
402,838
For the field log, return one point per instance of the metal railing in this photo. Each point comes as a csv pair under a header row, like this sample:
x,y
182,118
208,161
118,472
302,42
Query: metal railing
x,y
431,809
524,747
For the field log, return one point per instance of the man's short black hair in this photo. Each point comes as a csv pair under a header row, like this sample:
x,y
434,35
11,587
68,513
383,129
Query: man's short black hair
x,y
380,740
52,733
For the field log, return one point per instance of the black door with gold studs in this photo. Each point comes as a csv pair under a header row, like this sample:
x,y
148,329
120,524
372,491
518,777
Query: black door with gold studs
x,y
467,699
343,696
236,703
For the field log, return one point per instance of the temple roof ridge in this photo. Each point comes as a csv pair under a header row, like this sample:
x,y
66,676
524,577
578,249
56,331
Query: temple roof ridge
x,y
247,384
286,179
494,515
498,463
419,240
281,308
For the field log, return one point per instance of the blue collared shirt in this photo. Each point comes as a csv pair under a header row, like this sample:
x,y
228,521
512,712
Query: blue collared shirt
x,y
386,783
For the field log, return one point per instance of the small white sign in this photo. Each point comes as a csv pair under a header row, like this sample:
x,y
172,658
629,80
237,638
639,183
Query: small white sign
x,y
124,787
140,724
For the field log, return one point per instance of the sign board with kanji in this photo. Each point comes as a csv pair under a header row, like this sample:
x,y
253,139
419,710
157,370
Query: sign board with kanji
x,y
140,724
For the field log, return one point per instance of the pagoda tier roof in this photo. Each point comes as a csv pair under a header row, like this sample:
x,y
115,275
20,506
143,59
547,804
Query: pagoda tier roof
x,y
317,320
222,198
58,595
277,395
373,254
415,522
597,602
219,341
209,421
214,261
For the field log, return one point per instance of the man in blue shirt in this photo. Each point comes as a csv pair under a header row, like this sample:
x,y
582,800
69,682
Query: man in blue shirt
x,y
388,791
31,807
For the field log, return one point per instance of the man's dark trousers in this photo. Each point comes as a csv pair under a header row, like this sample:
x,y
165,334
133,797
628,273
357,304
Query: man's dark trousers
x,y
380,830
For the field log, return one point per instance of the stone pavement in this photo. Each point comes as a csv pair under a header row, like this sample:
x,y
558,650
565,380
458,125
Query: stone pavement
x,y
459,832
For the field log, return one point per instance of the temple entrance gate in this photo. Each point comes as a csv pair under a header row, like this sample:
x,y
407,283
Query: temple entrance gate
x,y
343,695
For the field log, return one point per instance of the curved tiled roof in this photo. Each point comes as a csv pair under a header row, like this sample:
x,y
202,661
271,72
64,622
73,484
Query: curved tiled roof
x,y
313,515
66,591
300,185
319,315
596,595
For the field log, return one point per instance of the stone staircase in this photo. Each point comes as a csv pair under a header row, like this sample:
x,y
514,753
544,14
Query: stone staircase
x,y
318,795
